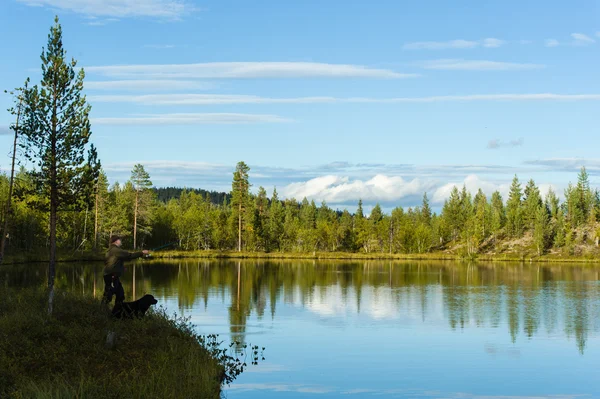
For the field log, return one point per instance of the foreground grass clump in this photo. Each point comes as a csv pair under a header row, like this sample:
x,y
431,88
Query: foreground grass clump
x,y
66,356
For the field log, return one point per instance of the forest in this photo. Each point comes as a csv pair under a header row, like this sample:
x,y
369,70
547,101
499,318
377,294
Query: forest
x,y
242,220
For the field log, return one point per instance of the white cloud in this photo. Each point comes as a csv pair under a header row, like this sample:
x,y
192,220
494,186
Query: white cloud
x,y
245,70
228,99
492,43
205,99
497,143
161,9
473,183
455,44
338,189
525,42
150,84
190,119
477,65
581,39
552,43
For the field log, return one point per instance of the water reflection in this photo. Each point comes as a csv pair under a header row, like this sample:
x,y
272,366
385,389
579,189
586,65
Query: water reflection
x,y
526,300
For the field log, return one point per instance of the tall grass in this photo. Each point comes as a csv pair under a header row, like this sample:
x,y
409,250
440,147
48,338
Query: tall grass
x,y
65,355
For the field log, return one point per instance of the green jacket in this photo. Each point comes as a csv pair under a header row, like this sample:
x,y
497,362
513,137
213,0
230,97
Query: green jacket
x,y
114,258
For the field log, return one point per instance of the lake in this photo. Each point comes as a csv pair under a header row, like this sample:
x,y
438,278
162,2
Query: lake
x,y
381,329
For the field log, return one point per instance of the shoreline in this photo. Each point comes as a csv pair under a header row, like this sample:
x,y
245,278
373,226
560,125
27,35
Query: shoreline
x,y
211,254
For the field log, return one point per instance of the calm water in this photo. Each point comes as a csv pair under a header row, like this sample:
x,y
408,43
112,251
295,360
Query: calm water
x,y
381,329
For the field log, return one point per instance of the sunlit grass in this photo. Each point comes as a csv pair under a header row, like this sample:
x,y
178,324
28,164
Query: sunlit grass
x,y
65,355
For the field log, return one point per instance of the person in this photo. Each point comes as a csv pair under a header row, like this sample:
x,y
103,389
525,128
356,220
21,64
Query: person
x,y
114,268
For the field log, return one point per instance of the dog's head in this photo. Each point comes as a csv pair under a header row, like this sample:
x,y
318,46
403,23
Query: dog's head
x,y
146,301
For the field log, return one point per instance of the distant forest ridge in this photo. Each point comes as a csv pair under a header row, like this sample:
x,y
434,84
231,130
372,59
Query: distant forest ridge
x,y
165,194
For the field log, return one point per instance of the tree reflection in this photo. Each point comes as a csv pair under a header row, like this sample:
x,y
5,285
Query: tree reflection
x,y
526,300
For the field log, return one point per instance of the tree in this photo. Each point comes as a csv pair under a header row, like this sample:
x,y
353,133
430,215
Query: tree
x,y
514,213
498,214
531,203
276,220
541,229
56,129
15,128
140,179
240,193
426,211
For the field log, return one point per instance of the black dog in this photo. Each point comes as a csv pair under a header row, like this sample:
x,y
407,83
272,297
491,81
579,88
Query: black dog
x,y
138,308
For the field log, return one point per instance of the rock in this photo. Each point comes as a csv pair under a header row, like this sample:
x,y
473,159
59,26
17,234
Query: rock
x,y
111,340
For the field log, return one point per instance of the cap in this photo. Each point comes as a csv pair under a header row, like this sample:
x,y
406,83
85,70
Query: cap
x,y
114,238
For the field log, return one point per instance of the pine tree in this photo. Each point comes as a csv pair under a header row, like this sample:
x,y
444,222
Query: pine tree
x,y
15,128
240,193
426,211
140,179
57,130
276,220
552,203
514,213
498,215
541,229
531,203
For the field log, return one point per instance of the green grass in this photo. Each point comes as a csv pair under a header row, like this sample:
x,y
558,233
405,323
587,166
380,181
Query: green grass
x,y
64,355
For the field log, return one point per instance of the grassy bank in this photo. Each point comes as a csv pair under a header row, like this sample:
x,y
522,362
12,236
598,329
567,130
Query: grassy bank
x,y
66,356
508,256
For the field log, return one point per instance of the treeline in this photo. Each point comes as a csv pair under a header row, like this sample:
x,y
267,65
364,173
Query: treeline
x,y
242,220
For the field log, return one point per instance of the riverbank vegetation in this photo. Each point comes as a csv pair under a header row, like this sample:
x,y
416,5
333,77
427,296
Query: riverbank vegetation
x,y
523,226
69,354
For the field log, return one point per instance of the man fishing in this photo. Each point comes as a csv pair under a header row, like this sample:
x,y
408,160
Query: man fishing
x,y
114,268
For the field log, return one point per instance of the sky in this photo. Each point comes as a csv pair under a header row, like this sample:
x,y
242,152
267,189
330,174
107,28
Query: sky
x,y
329,100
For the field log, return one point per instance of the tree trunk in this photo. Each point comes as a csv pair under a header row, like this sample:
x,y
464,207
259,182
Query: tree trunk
x,y
240,228
10,187
96,220
135,214
53,215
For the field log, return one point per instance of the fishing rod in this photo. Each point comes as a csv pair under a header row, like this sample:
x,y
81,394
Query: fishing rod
x,y
161,247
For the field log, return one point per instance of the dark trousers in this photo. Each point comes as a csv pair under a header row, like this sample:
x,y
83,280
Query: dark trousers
x,y
113,286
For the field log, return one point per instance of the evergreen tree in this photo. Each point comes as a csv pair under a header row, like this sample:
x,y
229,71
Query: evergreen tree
x,y
514,214
276,220
498,217
426,211
552,203
240,193
57,130
531,204
140,179
541,230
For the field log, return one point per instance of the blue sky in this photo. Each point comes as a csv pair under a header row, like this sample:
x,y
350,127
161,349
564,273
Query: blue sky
x,y
328,99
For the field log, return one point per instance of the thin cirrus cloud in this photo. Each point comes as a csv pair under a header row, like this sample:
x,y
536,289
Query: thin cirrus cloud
x,y
5,130
158,9
190,119
477,65
497,143
552,43
581,39
226,99
149,85
245,70
455,44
